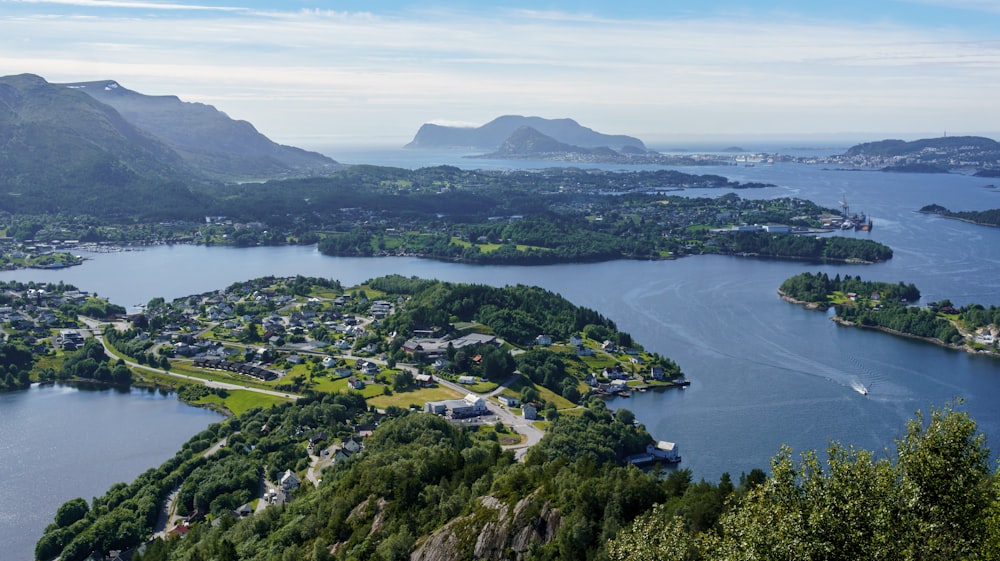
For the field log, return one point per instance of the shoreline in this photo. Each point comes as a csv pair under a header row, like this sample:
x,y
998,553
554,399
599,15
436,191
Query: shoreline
x,y
841,321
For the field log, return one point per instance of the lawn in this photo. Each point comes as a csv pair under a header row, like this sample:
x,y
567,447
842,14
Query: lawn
x,y
337,385
241,401
417,397
543,392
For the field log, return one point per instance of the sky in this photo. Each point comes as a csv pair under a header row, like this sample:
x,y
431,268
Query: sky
x,y
354,72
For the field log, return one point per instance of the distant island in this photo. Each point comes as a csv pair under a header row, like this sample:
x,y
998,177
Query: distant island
x,y
491,135
527,143
930,155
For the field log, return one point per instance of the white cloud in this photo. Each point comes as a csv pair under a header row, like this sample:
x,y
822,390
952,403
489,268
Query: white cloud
x,y
127,4
386,75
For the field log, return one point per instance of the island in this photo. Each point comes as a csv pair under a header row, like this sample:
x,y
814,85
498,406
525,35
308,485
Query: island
x,y
989,217
976,154
889,308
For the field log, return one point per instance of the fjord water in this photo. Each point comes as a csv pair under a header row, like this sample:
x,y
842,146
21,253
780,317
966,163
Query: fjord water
x,y
62,442
764,372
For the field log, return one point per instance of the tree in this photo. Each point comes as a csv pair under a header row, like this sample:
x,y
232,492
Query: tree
x,y
402,381
625,416
71,511
935,501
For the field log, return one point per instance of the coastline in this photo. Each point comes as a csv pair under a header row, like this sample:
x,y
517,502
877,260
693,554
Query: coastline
x,y
841,321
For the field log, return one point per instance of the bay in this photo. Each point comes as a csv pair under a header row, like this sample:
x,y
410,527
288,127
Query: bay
x,y
61,442
764,373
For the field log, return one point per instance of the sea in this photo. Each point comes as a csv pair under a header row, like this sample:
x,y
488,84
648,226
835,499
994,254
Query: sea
x,y
764,373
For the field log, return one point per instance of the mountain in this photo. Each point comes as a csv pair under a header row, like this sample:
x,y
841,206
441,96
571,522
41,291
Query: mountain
x,y
208,140
491,135
61,150
526,141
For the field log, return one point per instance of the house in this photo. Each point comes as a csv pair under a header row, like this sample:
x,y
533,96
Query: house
x,y
369,369
288,480
608,345
328,361
543,340
576,340
584,351
591,380
441,364
614,373
424,380
508,400
351,445
468,380
294,359
664,451
529,411
355,383
342,372
658,373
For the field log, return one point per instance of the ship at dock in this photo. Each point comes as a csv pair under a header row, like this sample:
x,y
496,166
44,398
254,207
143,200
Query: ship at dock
x,y
847,221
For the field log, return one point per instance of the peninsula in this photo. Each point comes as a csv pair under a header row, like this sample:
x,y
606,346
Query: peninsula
x,y
889,308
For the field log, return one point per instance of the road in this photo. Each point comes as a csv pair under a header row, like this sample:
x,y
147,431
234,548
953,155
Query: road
x,y
531,433
95,328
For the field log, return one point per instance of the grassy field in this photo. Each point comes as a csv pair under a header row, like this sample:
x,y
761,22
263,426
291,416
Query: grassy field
x,y
543,392
417,397
241,401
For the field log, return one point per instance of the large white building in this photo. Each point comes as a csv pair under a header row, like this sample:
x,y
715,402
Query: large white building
x,y
470,406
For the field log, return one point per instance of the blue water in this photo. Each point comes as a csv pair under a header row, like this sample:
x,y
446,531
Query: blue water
x,y
764,373
60,442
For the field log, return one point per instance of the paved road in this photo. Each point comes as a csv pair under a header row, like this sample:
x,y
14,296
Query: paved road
x,y
523,426
95,327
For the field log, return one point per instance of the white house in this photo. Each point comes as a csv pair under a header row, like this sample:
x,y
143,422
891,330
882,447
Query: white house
x,y
664,451
288,480
508,400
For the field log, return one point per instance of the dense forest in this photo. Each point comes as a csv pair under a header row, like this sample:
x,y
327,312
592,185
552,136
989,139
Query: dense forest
x,y
423,488
833,248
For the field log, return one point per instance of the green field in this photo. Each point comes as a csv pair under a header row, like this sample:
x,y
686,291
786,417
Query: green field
x,y
240,401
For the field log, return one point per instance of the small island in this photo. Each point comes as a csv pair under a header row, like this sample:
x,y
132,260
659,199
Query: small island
x,y
889,308
989,217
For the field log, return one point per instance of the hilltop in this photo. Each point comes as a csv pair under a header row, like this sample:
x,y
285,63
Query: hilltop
x,y
61,150
928,155
491,135
207,140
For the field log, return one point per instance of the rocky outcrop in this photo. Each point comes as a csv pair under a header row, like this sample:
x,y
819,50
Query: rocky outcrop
x,y
494,532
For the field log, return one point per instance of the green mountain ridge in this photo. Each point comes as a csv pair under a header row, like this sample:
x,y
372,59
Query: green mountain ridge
x,y
61,150
207,139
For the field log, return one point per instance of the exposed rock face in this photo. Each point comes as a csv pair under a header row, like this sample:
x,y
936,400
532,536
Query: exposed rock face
x,y
495,532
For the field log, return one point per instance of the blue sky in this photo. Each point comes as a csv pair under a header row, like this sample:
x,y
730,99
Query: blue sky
x,y
320,73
